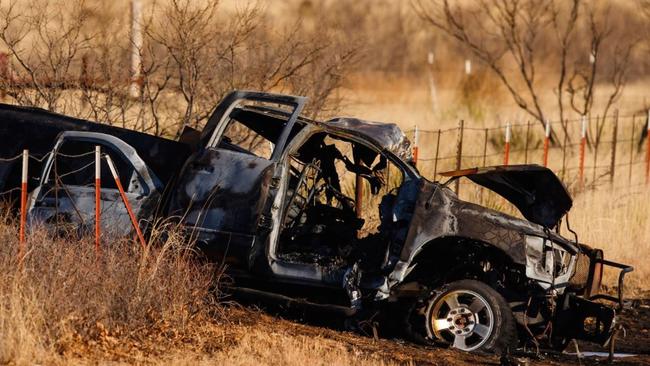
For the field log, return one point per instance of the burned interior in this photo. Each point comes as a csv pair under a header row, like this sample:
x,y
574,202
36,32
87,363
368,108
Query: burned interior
x,y
333,214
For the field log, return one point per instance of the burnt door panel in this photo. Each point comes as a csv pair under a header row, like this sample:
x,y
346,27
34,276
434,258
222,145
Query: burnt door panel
x,y
221,197
224,192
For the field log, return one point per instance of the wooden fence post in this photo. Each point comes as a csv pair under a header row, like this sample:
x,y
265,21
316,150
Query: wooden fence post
x,y
612,163
4,73
23,206
583,143
647,154
596,141
435,161
547,140
98,207
459,152
526,143
485,143
566,137
629,173
506,156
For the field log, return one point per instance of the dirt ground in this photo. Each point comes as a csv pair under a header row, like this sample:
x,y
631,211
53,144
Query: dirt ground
x,y
247,336
635,339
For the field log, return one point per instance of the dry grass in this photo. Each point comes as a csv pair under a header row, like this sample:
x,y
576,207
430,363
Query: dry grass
x,y
62,296
619,223
158,306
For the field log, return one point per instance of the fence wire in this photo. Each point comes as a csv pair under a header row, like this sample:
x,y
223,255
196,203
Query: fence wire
x,y
614,148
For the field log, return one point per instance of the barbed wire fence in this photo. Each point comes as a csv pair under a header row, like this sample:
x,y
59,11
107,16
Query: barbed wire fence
x,y
594,152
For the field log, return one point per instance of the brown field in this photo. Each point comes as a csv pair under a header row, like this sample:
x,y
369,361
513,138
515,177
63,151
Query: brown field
x,y
362,58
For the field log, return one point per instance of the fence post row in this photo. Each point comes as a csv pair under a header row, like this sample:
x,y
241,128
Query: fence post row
x,y
98,208
583,143
23,206
547,140
506,156
134,220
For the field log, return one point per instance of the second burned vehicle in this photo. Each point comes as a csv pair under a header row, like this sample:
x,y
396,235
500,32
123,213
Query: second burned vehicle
x,y
271,194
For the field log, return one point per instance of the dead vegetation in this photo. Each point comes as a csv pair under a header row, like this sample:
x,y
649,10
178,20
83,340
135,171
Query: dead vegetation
x,y
64,305
62,296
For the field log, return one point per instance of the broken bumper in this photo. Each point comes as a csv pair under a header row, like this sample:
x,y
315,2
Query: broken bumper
x,y
585,319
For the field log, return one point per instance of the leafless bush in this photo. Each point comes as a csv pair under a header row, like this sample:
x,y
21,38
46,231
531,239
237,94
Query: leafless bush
x,y
70,58
514,38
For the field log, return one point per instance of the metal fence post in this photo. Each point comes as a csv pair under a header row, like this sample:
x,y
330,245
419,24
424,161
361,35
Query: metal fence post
x,y
459,152
506,156
485,143
612,164
583,142
23,206
127,205
415,146
98,207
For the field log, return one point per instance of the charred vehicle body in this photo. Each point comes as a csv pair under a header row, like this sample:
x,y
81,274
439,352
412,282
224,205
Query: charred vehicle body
x,y
271,194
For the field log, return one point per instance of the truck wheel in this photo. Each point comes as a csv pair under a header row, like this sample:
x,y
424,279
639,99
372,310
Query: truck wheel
x,y
469,315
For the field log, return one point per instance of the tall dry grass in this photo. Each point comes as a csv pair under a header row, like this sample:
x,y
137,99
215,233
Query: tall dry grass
x,y
618,222
63,297
158,306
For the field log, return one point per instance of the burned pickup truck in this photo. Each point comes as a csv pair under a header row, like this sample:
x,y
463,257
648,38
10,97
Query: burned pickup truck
x,y
275,197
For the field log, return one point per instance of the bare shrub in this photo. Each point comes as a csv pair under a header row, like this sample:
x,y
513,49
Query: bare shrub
x,y
515,37
73,58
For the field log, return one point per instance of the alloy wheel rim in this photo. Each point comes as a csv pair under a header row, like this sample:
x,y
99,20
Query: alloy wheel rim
x,y
462,318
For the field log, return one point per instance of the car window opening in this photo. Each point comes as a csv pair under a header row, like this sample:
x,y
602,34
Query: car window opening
x,y
254,129
320,224
74,165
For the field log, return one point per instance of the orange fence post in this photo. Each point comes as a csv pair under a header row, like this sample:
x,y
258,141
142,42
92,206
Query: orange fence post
x,y
415,146
98,208
23,206
583,143
547,139
506,156
134,220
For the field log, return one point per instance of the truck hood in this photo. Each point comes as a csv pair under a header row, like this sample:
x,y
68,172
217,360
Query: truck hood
x,y
535,190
